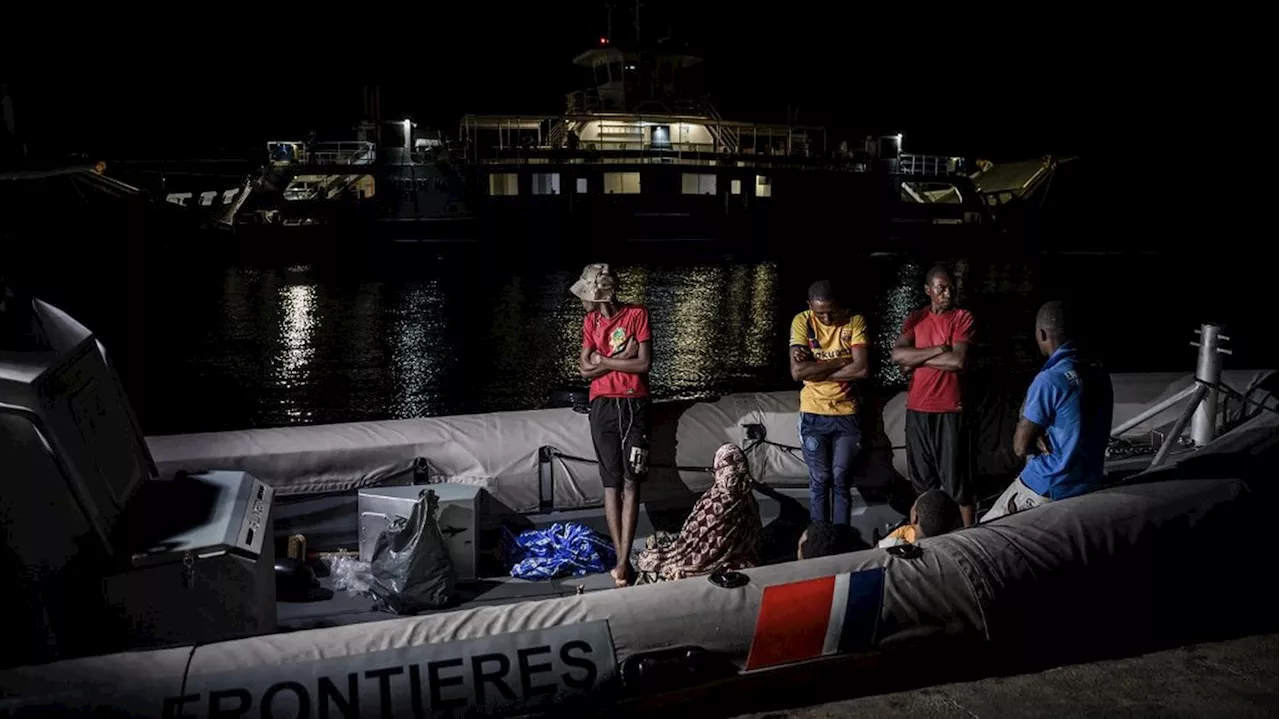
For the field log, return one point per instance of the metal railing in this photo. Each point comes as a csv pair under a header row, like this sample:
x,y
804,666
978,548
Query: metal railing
x,y
909,164
343,153
705,158
1201,411
726,137
328,153
557,134
581,102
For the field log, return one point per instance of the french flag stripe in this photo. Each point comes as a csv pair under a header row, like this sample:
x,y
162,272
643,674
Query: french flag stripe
x,y
816,618
792,624
839,605
864,597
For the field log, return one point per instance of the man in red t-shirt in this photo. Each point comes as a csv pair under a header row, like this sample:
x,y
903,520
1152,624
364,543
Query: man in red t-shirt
x,y
932,351
616,358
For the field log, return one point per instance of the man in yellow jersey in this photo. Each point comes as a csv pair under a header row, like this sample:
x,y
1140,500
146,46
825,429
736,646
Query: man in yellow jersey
x,y
829,352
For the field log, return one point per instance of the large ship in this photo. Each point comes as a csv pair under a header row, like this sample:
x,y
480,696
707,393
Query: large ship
x,y
644,154
640,154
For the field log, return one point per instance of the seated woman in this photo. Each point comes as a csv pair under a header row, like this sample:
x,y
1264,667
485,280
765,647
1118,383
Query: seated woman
x,y
723,532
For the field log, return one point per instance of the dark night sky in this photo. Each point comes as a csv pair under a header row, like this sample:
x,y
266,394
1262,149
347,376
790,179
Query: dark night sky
x,y
1085,84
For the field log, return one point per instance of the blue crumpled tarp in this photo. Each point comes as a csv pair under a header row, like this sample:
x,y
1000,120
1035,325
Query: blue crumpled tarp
x,y
558,551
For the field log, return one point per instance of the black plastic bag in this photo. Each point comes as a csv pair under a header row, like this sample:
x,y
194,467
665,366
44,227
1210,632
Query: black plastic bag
x,y
411,568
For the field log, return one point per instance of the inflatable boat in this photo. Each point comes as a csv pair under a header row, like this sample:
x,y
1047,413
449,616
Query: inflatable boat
x,y
1113,563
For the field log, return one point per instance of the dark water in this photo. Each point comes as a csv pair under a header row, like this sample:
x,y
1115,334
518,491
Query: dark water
x,y
416,334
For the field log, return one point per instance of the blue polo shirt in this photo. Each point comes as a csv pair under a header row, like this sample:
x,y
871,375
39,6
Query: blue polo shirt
x,y
1072,401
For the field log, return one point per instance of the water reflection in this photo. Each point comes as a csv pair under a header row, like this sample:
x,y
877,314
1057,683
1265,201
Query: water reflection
x,y
297,327
268,347
297,332
417,330
758,339
903,295
696,348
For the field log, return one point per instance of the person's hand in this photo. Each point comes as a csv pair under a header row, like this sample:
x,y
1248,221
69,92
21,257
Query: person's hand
x,y
631,350
1042,444
594,359
800,354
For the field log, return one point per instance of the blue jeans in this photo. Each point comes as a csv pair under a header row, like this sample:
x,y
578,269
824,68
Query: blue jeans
x,y
831,444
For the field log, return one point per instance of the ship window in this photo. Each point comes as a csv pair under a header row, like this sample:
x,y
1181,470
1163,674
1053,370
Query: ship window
x,y
504,184
582,186
546,183
735,187
622,183
764,186
693,183
615,72
602,74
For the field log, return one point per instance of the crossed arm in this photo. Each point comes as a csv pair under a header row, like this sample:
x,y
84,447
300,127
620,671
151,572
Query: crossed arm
x,y
805,368
944,357
1043,398
634,359
1029,439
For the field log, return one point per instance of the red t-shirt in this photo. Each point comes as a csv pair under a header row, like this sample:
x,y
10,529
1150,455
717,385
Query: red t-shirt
x,y
935,390
608,336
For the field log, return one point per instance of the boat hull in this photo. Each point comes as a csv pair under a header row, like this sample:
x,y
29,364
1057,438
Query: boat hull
x,y
986,589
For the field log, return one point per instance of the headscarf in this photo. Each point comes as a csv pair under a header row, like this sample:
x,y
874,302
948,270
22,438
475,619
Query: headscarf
x,y
722,532
597,284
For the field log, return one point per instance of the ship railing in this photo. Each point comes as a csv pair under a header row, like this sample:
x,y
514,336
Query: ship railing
x,y
557,133
911,164
343,153
580,102
688,154
661,152
729,137
726,136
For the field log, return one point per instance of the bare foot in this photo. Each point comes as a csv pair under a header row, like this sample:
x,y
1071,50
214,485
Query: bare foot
x,y
621,575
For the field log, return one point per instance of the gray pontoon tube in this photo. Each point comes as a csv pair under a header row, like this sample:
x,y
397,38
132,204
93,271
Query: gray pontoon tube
x,y
1022,578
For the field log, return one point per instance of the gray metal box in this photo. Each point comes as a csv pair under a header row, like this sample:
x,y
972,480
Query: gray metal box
x,y
203,568
457,515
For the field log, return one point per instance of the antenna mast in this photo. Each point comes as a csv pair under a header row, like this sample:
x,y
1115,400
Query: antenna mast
x,y
637,23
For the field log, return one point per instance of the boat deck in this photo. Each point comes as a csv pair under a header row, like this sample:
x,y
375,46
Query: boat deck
x,y
330,523
784,513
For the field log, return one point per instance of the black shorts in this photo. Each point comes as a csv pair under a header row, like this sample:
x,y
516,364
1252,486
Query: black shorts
x,y
938,454
620,433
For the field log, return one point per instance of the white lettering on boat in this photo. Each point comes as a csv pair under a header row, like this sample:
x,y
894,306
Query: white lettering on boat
x,y
510,670
504,672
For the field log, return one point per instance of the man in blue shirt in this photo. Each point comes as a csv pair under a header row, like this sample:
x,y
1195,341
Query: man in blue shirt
x,y
1065,422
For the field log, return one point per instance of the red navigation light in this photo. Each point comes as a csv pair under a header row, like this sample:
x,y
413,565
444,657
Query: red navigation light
x,y
604,41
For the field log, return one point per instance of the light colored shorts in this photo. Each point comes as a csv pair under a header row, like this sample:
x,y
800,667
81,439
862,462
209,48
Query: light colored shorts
x,y
1017,498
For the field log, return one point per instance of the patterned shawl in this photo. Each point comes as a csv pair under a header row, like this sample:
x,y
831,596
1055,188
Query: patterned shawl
x,y
723,532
